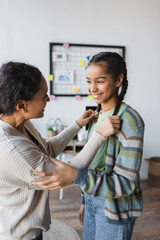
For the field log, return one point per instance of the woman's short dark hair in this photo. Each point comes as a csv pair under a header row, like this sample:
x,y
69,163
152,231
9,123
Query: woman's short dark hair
x,y
18,81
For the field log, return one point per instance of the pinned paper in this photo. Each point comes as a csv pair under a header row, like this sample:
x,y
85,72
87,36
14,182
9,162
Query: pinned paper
x,y
59,56
66,45
63,76
52,97
88,58
78,97
50,77
81,63
75,89
90,97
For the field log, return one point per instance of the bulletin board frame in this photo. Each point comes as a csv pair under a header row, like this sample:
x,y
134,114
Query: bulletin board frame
x,y
60,46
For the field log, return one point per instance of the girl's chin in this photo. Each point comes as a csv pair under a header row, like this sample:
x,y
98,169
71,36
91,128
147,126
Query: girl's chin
x,y
98,101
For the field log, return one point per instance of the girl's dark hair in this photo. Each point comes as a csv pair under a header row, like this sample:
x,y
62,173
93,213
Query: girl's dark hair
x,y
115,65
18,81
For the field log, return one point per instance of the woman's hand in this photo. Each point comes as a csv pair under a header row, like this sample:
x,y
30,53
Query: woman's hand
x,y
62,176
81,214
85,118
109,126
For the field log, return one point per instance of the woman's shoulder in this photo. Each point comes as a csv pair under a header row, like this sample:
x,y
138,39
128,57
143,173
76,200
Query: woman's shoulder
x,y
30,127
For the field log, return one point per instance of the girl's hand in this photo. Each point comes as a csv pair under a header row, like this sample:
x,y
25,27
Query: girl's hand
x,y
109,126
85,118
81,214
62,176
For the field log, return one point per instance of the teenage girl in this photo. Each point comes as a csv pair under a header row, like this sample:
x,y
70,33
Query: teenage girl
x,y
112,197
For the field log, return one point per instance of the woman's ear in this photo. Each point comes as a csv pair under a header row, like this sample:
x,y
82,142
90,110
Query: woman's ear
x,y
119,80
20,106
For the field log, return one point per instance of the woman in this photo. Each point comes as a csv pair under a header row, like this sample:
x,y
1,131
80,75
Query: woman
x,y
24,209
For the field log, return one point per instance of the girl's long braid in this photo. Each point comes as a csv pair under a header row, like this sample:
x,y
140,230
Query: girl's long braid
x,y
98,110
115,65
122,94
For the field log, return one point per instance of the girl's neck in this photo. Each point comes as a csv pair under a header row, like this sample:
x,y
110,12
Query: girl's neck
x,y
108,106
108,109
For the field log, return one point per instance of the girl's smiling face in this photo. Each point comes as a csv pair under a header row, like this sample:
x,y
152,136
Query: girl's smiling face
x,y
101,85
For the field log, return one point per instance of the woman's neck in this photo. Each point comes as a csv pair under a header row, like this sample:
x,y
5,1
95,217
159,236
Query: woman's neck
x,y
14,120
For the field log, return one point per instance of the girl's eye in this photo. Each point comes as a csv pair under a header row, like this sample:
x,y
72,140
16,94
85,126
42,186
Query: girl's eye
x,y
88,81
100,81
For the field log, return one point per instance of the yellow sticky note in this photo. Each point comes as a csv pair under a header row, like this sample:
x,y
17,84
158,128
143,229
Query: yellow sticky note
x,y
90,97
75,89
81,63
50,77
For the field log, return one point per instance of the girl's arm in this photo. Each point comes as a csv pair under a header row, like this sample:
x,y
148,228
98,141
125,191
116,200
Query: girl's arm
x,y
124,179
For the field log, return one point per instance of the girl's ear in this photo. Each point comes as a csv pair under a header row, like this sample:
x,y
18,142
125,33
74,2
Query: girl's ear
x,y
119,80
20,106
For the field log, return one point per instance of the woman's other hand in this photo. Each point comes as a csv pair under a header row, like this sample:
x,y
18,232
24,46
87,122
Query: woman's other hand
x,y
109,126
85,118
60,177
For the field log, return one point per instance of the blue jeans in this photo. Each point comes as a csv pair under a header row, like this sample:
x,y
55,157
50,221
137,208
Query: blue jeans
x,y
96,227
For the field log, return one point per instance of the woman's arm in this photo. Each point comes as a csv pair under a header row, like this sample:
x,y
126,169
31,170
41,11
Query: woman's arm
x,y
108,127
55,145
58,177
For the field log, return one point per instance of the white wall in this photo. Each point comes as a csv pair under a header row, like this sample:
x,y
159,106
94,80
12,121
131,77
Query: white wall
x,y
27,27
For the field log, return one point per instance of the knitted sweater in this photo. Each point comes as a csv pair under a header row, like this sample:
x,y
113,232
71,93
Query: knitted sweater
x,y
24,209
119,183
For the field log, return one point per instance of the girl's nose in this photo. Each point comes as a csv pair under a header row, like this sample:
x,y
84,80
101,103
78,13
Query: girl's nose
x,y
93,87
